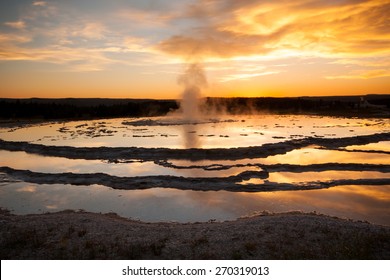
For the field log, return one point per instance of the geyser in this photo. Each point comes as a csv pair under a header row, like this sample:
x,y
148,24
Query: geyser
x,y
193,79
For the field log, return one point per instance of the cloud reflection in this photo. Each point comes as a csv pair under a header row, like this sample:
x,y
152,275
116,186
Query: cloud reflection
x,y
364,202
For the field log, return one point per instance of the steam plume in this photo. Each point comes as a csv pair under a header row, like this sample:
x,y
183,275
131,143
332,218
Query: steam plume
x,y
193,79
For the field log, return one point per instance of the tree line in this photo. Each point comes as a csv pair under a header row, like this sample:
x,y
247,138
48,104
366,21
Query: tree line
x,y
111,108
27,108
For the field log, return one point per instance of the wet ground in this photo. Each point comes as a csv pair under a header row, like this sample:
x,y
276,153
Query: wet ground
x,y
163,169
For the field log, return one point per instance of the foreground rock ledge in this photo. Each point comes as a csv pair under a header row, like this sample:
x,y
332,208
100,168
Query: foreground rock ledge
x,y
82,235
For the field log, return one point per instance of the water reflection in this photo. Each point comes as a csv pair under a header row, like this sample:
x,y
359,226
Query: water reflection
x,y
304,156
305,177
313,156
224,132
42,164
380,146
371,203
190,136
37,163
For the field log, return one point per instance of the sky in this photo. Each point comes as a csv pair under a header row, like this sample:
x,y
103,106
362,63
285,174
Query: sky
x,y
139,49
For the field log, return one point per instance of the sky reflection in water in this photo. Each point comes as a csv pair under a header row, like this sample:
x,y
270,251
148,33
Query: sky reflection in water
x,y
224,132
369,203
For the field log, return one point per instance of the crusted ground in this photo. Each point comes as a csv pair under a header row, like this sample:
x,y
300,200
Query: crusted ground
x,y
82,235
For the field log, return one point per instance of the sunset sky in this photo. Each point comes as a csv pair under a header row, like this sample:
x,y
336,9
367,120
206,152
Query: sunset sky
x,y
138,49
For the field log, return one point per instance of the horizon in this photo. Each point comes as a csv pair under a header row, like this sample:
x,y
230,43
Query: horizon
x,y
205,97
142,49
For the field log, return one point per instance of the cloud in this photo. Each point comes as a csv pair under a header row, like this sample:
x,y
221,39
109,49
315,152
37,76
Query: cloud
x,y
85,49
78,42
246,76
348,33
331,32
16,24
136,45
90,30
205,42
39,3
54,54
7,39
149,18
378,73
379,61
321,28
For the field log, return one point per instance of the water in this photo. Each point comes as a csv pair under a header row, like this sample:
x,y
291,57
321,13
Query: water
x,y
172,132
343,166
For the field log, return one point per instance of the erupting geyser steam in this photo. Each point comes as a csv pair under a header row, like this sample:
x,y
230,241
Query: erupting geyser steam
x,y
193,81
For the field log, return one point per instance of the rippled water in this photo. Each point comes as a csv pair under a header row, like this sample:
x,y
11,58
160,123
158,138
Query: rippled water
x,y
328,179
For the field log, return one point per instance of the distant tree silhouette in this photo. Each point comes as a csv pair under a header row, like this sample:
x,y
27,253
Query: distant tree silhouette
x,y
57,109
73,108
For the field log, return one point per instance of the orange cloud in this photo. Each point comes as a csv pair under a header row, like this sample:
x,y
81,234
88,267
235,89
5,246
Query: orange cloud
x,y
6,39
39,3
16,24
207,42
90,30
246,76
378,73
314,28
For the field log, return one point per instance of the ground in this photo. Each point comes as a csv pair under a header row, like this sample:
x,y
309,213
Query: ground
x,y
82,235
295,235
